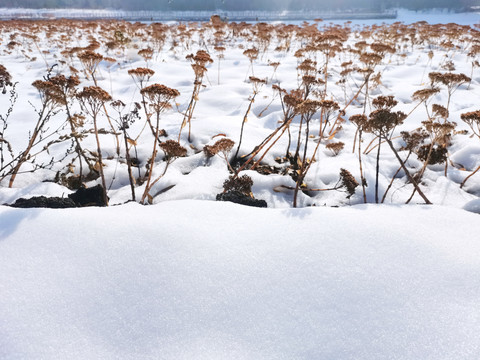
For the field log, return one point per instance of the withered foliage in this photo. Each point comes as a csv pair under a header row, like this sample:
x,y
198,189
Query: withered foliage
x,y
413,139
425,94
472,119
159,96
434,155
223,145
449,79
335,147
242,184
5,77
173,149
141,75
349,182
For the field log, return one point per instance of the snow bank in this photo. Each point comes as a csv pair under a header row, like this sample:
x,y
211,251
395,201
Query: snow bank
x,y
205,280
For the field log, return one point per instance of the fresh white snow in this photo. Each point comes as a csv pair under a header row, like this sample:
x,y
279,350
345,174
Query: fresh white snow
x,y
205,280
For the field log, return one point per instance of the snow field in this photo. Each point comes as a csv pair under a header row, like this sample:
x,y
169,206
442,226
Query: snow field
x,y
204,280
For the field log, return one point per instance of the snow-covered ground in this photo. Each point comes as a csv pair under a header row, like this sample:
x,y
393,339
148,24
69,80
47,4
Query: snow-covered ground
x,y
205,280
191,278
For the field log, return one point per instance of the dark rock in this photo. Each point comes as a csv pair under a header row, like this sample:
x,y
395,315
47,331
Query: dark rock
x,y
88,196
242,199
45,202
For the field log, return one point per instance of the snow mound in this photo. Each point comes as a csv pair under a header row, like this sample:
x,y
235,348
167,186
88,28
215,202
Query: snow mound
x,y
473,206
206,280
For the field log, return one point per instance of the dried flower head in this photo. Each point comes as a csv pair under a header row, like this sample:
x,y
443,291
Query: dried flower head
x,y
370,59
242,184
307,67
118,105
147,53
252,54
223,145
381,48
435,155
335,147
440,111
256,80
384,102
94,97
173,149
159,96
308,108
90,60
382,121
442,132
413,139
425,94
141,75
472,119
449,79
359,120
5,77
293,98
49,93
349,182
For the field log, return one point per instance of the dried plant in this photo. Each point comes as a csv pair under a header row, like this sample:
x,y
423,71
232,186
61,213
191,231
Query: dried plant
x,y
172,150
159,97
242,184
93,99
257,85
360,121
220,50
450,80
382,122
66,92
222,147
335,147
51,100
349,182
252,55
472,119
90,61
124,121
200,61
146,54
141,77
5,146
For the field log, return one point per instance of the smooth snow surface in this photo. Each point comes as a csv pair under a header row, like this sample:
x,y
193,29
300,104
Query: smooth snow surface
x,y
205,280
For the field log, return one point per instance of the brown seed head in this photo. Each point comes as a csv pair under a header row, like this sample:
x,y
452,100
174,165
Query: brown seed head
x,y
384,102
439,110
5,77
348,181
425,94
173,149
49,92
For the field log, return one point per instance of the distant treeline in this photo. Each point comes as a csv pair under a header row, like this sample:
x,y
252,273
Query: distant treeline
x,y
235,5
